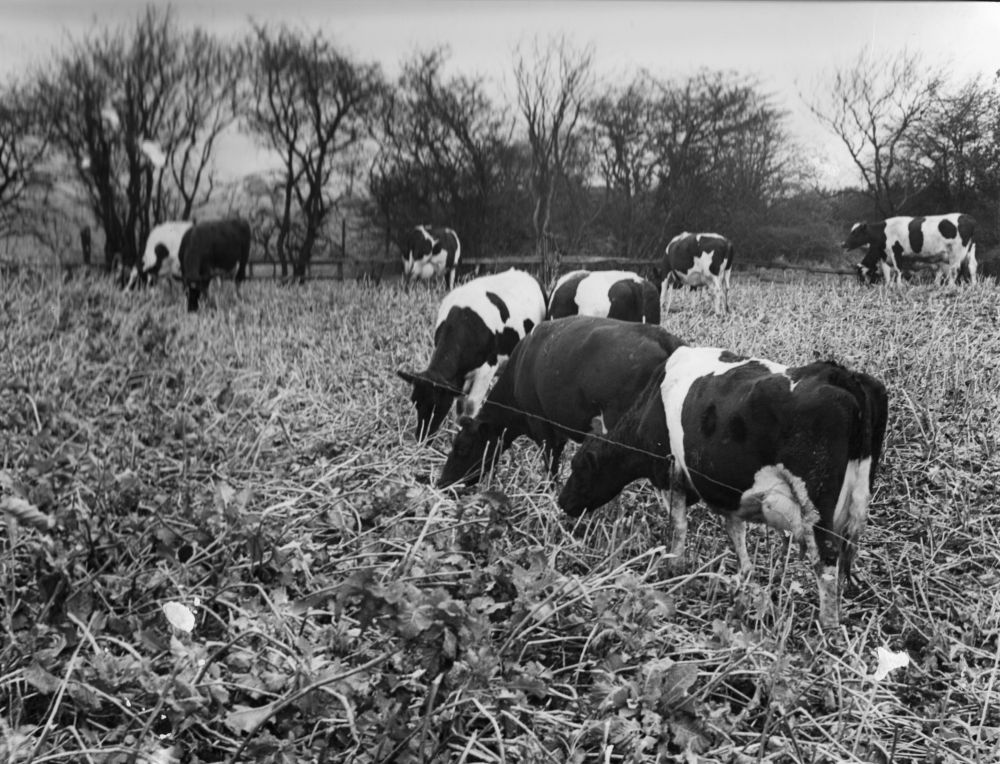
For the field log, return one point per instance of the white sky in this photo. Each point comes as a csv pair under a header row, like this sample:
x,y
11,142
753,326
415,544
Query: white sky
x,y
789,46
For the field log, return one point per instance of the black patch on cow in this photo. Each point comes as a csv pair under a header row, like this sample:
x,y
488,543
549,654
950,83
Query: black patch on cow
x,y
506,340
738,429
709,420
528,326
161,252
948,229
728,356
500,306
966,228
897,250
916,231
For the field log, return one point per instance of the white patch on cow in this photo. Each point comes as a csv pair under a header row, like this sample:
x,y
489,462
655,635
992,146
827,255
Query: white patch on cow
x,y
856,226
685,365
524,300
713,235
168,234
779,499
592,292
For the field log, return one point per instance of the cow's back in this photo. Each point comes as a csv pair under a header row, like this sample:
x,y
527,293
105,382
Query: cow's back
x,y
571,369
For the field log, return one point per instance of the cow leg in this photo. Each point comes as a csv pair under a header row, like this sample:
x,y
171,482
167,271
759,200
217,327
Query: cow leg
x,y
666,294
725,288
736,529
673,499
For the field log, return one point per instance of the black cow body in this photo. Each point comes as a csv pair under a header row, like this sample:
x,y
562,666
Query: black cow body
x,y
213,248
610,294
794,448
477,327
429,252
898,244
559,378
698,259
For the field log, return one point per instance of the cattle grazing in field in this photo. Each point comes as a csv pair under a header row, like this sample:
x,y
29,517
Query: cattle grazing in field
x,y
794,448
696,260
559,378
612,294
213,248
429,252
947,242
161,256
478,325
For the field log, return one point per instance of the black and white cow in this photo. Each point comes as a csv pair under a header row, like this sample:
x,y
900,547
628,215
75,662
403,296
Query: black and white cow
x,y
559,378
213,248
696,260
947,242
429,252
794,448
161,257
612,294
478,325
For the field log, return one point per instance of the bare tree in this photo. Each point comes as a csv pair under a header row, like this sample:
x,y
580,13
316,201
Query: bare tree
x,y
623,130
309,104
24,142
137,110
874,106
553,82
444,150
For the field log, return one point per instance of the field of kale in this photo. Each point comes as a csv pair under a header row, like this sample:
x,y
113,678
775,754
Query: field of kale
x,y
220,543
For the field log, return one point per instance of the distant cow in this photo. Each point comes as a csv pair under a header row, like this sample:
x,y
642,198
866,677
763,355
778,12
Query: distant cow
x,y
946,242
429,252
559,378
612,294
794,448
477,327
161,256
213,248
698,259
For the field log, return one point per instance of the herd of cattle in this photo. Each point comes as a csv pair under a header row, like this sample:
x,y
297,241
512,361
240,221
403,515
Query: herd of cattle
x,y
795,448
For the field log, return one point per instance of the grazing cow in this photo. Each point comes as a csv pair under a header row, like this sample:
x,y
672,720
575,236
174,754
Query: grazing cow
x,y
558,379
431,252
477,327
162,253
794,448
947,242
613,294
213,248
698,259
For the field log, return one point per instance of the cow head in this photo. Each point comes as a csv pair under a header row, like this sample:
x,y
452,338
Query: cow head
x,y
868,269
594,478
431,399
858,237
153,259
476,444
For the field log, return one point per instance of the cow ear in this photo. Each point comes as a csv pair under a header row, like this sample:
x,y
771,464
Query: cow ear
x,y
597,426
407,376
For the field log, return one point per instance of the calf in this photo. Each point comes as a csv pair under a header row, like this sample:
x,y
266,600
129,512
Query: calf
x,y
162,253
612,294
946,242
429,253
562,376
794,448
698,259
477,327
213,248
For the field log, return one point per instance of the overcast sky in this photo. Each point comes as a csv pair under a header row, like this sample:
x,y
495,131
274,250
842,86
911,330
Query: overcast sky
x,y
789,46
